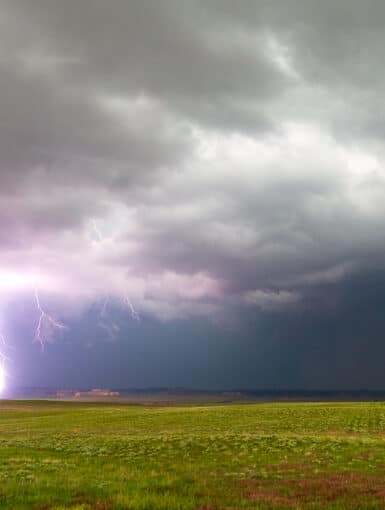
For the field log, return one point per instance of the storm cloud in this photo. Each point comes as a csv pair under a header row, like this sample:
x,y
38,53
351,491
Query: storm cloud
x,y
205,159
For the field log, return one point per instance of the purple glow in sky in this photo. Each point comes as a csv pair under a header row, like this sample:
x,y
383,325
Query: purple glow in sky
x,y
2,379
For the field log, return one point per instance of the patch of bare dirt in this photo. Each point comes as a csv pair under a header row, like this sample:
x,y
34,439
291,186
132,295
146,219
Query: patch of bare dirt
x,y
354,487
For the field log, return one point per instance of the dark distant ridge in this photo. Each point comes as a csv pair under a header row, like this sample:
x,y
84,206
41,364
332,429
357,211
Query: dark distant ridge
x,y
219,395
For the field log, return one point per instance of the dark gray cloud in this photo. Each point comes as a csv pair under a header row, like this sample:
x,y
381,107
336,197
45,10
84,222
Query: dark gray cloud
x,y
336,344
198,157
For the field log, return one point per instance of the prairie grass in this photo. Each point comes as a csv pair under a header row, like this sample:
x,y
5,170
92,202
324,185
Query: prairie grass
x,y
82,456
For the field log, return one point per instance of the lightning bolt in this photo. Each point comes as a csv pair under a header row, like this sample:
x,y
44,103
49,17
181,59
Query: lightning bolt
x,y
45,321
134,313
4,359
3,344
126,301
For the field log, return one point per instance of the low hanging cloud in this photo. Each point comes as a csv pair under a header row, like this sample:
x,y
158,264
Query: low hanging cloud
x,y
194,156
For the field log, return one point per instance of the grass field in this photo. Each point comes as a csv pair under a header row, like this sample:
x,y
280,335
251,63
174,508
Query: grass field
x,y
82,456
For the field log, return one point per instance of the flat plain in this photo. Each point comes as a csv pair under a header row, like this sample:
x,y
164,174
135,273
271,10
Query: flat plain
x,y
100,456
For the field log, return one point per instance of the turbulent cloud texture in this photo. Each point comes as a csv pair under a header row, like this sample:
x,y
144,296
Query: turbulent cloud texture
x,y
196,156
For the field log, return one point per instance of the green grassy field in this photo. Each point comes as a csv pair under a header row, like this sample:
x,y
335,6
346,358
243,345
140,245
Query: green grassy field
x,y
81,456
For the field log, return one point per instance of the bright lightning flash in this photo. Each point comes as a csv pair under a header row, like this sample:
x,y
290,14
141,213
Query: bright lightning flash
x,y
45,321
2,379
3,358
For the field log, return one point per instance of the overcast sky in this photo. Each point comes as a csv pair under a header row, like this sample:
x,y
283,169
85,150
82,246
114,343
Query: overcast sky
x,y
214,168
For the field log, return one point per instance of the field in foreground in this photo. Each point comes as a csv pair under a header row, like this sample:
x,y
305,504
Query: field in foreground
x,y
82,456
